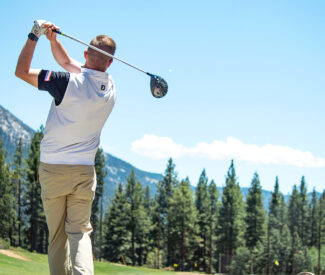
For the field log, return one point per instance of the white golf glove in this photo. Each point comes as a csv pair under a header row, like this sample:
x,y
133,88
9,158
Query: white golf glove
x,y
37,30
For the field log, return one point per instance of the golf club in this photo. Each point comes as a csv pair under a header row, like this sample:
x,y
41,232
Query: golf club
x,y
158,85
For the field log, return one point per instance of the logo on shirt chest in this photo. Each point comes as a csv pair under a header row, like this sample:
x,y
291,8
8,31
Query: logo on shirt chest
x,y
103,87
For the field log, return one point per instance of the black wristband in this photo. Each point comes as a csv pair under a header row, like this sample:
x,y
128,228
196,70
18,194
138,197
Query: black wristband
x,y
32,36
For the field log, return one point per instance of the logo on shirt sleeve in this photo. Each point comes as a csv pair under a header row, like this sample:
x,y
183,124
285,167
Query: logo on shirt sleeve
x,y
48,76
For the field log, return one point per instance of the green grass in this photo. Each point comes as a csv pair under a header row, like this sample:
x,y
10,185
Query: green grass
x,y
108,268
37,265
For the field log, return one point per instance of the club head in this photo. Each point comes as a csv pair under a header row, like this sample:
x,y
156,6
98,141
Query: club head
x,y
158,86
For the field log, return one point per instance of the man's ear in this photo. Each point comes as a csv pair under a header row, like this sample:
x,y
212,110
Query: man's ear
x,y
85,54
110,62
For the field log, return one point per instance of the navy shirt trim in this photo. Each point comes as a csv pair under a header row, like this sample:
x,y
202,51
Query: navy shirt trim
x,y
55,83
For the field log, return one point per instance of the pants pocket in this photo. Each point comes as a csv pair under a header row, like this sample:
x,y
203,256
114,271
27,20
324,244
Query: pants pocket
x,y
52,181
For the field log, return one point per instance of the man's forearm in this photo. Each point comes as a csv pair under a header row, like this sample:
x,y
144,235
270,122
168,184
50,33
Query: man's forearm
x,y
23,69
61,56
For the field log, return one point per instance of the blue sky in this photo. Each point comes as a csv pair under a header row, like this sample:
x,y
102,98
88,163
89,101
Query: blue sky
x,y
246,83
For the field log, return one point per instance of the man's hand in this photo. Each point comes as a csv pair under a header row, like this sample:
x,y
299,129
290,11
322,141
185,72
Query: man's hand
x,y
37,30
50,34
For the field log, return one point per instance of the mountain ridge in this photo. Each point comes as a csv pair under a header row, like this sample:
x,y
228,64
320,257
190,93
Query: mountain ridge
x,y
11,129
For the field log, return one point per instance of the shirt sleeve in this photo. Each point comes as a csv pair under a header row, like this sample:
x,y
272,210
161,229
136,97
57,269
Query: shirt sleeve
x,y
55,83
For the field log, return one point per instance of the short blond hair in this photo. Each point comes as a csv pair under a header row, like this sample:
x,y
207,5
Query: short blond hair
x,y
104,43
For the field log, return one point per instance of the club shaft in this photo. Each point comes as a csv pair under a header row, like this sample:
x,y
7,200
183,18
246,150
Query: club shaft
x,y
101,51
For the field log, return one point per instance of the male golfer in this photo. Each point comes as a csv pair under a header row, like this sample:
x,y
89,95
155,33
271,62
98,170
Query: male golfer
x,y
83,98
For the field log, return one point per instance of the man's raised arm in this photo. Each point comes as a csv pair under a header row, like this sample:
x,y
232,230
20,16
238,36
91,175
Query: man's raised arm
x,y
23,69
60,54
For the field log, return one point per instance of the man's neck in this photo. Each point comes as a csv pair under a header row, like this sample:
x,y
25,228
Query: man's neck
x,y
87,66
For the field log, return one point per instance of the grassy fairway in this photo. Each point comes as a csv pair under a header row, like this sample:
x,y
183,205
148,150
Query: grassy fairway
x,y
37,265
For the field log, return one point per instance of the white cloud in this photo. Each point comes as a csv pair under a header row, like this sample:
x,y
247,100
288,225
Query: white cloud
x,y
155,147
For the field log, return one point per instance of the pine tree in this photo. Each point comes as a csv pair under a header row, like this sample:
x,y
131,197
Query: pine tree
x,y
303,215
273,250
182,216
283,211
302,259
320,214
294,224
97,206
284,251
202,206
37,231
231,216
138,222
117,237
147,204
275,209
6,198
160,231
275,225
170,179
142,230
17,180
214,206
240,264
156,232
165,189
147,200
313,223
255,219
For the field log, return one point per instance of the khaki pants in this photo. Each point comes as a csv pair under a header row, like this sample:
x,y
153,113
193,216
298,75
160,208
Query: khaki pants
x,y
67,194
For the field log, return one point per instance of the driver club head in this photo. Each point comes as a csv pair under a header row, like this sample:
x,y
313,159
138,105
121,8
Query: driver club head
x,y
158,86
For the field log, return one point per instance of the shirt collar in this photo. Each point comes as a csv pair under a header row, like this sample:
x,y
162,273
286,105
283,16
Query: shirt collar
x,y
94,72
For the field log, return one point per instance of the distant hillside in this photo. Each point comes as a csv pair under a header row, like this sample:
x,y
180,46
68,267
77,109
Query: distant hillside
x,y
11,129
119,170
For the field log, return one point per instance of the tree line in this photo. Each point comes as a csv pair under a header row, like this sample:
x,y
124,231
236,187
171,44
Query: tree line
x,y
177,228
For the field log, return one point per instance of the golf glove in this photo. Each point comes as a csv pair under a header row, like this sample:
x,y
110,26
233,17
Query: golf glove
x,y
37,30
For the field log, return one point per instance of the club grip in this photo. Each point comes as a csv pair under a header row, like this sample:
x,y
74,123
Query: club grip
x,y
57,31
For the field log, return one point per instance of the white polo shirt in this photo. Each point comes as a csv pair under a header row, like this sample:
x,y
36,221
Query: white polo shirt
x,y
82,103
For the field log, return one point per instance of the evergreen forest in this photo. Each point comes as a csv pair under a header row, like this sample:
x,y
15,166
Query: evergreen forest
x,y
177,228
